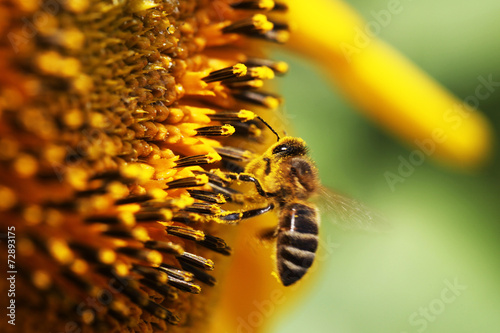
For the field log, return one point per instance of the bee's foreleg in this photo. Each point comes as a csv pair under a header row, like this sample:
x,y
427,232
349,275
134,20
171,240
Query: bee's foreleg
x,y
235,217
220,181
249,178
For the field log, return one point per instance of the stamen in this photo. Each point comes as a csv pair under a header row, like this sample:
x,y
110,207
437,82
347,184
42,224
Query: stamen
x,y
134,199
261,72
150,256
103,256
176,273
276,35
184,286
159,215
224,130
160,312
249,130
279,67
203,208
136,295
257,97
235,71
136,233
198,180
236,154
151,273
164,247
160,287
255,25
199,274
186,232
253,84
196,261
121,219
280,6
207,196
216,244
254,5
242,115
197,160
253,73
187,218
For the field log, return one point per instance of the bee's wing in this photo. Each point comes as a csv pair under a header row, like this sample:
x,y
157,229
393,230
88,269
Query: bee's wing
x,y
348,213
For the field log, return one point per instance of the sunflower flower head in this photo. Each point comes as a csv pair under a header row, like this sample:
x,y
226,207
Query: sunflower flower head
x,y
112,114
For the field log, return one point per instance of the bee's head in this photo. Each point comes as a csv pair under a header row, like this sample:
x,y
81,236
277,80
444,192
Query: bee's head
x,y
289,147
290,155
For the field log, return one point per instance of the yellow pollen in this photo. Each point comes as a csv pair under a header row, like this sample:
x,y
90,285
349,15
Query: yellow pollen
x,y
41,279
246,115
281,67
52,63
25,165
141,234
271,102
121,269
212,158
263,73
87,316
7,198
60,251
261,23
107,256
127,219
79,267
76,6
154,257
140,171
226,131
33,214
239,70
282,36
266,4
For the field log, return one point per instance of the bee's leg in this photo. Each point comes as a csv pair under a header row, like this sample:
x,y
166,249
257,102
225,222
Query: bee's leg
x,y
249,178
220,185
229,194
235,217
220,182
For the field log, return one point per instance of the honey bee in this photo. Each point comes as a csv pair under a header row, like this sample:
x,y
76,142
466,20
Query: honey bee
x,y
290,178
285,177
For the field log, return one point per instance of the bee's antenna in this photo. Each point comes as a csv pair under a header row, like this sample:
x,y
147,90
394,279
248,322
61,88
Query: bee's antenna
x,y
269,126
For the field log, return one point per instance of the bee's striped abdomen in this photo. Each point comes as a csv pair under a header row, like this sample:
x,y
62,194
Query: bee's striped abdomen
x,y
297,241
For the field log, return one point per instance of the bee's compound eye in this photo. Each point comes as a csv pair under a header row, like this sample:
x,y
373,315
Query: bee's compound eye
x,y
281,149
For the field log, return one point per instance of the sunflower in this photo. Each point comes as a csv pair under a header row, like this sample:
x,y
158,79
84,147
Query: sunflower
x,y
112,115
115,119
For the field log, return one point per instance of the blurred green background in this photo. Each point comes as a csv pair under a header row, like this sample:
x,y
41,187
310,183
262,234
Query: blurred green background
x,y
438,269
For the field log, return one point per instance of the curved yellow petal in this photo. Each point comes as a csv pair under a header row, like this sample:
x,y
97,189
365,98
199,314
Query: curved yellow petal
x,y
389,88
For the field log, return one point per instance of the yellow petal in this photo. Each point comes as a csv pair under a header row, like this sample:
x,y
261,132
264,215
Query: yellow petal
x,y
389,88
